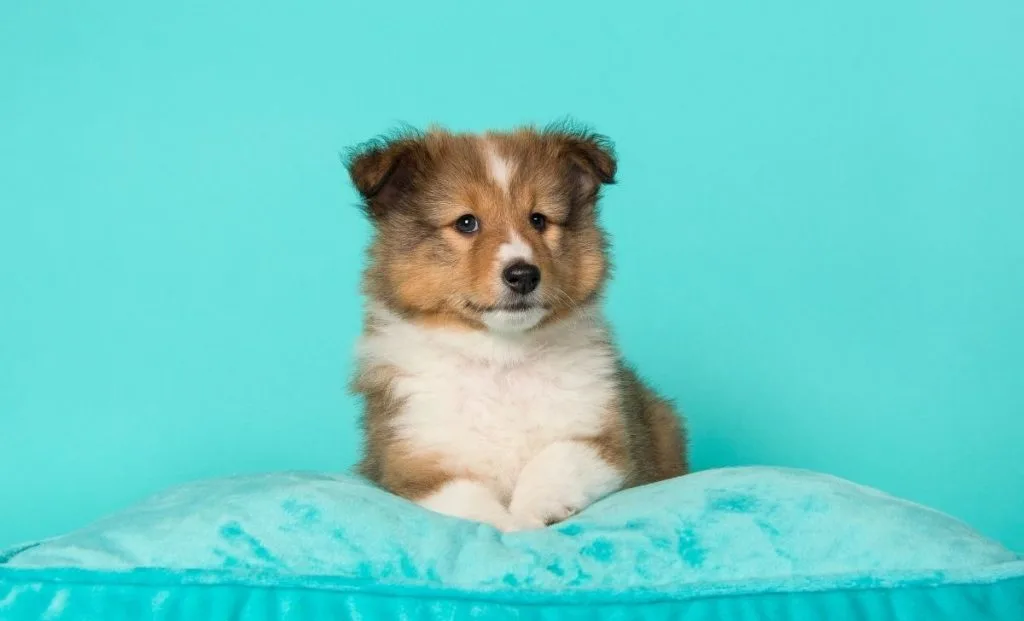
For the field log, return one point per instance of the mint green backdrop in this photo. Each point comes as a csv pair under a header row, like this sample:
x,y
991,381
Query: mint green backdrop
x,y
819,228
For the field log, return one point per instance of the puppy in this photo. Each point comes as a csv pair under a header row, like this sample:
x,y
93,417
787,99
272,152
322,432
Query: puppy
x,y
492,388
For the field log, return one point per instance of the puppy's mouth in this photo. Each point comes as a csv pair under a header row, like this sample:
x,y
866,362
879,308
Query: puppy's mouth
x,y
518,306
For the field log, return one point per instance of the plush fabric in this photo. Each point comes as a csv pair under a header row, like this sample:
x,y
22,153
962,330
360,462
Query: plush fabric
x,y
744,543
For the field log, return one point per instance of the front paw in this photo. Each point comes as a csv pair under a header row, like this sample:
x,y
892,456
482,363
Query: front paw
x,y
560,481
470,500
538,507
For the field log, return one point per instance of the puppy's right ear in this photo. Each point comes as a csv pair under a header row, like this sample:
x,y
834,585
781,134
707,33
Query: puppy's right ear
x,y
384,170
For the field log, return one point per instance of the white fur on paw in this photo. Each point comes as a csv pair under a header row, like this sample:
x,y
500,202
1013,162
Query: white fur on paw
x,y
519,524
562,480
470,500
540,512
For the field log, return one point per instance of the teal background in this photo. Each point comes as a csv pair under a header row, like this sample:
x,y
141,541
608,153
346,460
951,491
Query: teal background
x,y
818,229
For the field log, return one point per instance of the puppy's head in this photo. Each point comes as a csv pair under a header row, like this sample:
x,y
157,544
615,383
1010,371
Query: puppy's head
x,y
493,231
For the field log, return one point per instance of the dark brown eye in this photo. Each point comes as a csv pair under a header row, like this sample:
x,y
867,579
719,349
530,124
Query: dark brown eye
x,y
538,221
467,224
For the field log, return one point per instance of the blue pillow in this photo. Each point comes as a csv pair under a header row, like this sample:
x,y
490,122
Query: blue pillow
x,y
742,543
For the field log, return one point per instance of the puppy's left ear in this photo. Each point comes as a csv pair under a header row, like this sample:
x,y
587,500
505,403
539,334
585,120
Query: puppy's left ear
x,y
590,159
596,154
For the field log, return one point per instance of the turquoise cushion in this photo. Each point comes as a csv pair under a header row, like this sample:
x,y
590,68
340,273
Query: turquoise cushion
x,y
742,543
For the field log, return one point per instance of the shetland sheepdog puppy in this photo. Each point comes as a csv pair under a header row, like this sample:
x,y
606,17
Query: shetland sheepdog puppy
x,y
492,388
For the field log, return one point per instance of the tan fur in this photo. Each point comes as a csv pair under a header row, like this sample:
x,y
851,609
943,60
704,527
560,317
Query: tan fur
x,y
415,186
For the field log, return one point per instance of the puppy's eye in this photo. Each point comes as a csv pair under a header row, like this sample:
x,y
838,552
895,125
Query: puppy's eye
x,y
538,221
467,224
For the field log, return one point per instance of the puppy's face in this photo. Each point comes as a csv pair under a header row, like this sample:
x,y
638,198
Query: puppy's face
x,y
495,231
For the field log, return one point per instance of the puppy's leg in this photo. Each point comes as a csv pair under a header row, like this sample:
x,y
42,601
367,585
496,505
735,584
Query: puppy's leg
x,y
561,480
421,477
470,500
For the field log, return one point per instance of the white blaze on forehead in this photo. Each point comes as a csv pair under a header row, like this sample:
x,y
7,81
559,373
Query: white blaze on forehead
x,y
515,248
499,168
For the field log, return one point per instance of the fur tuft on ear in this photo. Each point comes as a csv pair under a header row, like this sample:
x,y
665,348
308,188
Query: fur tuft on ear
x,y
593,153
383,169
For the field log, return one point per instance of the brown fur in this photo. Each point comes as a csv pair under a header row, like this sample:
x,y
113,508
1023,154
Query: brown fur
x,y
643,436
414,187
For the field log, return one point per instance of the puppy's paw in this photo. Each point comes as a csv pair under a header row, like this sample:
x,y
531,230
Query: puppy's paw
x,y
521,524
537,506
560,481
470,500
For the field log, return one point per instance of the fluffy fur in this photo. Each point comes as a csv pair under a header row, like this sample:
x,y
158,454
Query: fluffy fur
x,y
485,401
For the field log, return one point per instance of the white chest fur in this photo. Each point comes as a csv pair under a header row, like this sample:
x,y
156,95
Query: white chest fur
x,y
486,404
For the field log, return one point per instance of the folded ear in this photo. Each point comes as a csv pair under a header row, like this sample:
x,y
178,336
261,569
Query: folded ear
x,y
590,158
384,170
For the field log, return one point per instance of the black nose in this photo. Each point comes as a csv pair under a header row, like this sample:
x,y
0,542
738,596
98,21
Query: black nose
x,y
521,277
